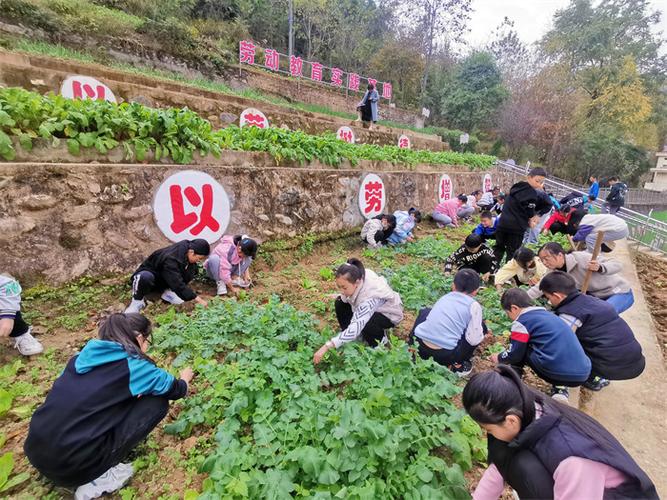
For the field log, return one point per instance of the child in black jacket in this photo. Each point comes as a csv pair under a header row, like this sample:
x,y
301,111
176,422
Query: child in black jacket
x,y
473,254
523,209
606,338
107,400
168,271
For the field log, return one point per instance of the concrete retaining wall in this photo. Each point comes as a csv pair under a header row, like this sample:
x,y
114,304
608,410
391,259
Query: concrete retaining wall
x,y
61,221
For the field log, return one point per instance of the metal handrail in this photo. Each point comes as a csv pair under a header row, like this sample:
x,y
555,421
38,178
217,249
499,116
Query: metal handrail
x,y
643,228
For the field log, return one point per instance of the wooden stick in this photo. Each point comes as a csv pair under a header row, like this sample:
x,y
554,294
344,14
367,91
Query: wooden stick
x,y
596,252
573,245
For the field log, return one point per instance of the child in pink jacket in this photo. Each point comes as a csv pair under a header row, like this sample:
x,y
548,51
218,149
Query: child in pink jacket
x,y
229,263
445,214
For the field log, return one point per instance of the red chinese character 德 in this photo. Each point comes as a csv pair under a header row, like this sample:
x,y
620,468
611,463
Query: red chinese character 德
x,y
373,192
246,52
295,65
353,81
316,71
337,77
373,82
271,59
386,90
78,90
196,223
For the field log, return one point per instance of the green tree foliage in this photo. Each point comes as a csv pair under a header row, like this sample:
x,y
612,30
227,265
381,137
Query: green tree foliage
x,y
476,93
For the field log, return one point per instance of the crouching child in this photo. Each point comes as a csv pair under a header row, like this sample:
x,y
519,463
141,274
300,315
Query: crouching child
x,y
606,338
12,324
473,254
544,342
450,332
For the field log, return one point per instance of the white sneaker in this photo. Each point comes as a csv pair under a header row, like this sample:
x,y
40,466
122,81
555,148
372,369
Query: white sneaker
x,y
222,288
240,283
112,480
171,297
28,345
135,306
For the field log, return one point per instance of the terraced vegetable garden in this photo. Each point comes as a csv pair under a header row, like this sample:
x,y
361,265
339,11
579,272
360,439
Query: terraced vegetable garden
x,y
179,134
262,421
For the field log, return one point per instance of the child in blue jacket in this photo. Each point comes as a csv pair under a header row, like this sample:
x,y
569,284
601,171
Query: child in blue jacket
x,y
107,400
487,226
405,223
544,342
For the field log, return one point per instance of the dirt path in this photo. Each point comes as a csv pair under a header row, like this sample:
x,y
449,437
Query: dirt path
x,y
635,411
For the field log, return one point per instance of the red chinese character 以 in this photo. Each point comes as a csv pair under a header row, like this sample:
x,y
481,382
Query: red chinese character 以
x,y
337,77
373,193
353,81
316,71
373,82
92,93
271,59
386,90
196,223
246,52
295,65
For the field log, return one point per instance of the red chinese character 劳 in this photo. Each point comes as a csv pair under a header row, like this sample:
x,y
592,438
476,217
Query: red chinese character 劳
x,y
353,81
337,77
246,52
195,222
386,90
295,65
373,192
316,71
445,189
271,59
373,82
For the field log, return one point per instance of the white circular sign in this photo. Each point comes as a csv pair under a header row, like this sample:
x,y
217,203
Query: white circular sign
x,y
191,204
86,87
404,142
445,188
345,134
252,117
487,183
372,196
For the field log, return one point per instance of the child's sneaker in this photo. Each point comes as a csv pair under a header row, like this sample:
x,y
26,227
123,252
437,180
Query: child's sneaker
x,y
382,343
28,345
560,393
135,306
596,383
171,297
112,480
222,288
463,369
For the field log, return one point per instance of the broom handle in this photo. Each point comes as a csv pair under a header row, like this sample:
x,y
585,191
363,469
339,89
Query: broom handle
x,y
596,253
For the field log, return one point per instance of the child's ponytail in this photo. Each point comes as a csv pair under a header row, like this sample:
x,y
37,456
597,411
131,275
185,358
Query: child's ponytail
x,y
353,270
123,328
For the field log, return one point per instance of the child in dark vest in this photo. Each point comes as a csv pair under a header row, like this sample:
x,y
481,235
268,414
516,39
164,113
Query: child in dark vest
x,y
107,400
544,449
606,338
543,341
450,332
473,254
229,263
168,271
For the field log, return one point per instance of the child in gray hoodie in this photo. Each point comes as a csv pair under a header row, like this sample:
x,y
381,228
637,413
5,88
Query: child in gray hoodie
x,y
11,322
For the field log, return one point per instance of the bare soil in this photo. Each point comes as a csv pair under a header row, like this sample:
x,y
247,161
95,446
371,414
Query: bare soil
x,y
653,277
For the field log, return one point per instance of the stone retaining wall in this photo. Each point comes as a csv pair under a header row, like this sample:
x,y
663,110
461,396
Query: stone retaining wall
x,y
61,221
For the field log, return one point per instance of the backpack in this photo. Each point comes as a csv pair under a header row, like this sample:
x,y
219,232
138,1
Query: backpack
x,y
617,194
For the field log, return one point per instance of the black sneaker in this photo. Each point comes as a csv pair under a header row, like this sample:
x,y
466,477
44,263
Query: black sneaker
x,y
462,370
560,393
596,383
